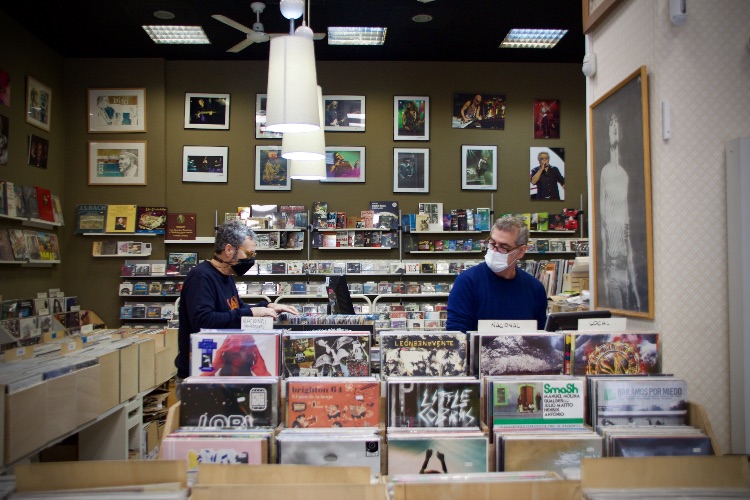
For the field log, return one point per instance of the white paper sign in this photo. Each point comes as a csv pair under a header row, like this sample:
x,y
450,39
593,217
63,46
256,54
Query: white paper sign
x,y
253,323
506,325
602,324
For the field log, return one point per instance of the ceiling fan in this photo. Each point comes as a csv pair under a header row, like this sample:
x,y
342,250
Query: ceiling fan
x,y
257,34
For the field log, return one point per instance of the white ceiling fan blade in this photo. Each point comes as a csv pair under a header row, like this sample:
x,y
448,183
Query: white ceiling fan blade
x,y
241,46
233,24
316,36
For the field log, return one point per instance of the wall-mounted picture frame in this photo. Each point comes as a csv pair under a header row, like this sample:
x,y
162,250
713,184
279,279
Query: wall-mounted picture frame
x,y
478,110
4,88
345,164
411,170
547,174
344,113
595,11
271,170
479,167
4,137
38,104
260,119
38,151
206,111
117,110
120,163
411,118
205,163
621,221
546,118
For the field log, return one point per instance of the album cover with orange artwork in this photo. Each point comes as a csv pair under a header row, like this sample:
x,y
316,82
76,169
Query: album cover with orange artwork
x,y
316,402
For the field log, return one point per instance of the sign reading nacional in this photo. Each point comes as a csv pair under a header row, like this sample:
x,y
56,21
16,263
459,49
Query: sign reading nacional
x,y
510,325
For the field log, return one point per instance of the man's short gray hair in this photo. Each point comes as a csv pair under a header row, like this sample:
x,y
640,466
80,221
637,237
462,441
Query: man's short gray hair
x,y
511,223
233,233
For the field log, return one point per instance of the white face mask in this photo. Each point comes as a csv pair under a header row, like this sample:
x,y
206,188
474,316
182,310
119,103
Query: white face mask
x,y
498,262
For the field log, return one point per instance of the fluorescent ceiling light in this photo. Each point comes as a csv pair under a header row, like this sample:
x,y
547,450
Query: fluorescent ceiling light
x,y
356,36
177,34
532,39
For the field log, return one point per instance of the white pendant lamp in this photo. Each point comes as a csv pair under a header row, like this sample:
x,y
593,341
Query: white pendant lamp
x,y
306,145
292,101
307,170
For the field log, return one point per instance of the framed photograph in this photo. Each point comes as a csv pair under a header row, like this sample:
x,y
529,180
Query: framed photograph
x,y
345,164
4,135
38,104
476,110
478,167
621,224
344,113
595,11
121,163
547,173
4,88
411,170
207,111
38,151
271,170
546,118
411,118
205,163
117,110
260,119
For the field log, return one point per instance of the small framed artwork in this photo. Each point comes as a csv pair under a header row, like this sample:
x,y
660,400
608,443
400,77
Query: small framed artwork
x,y
117,110
4,135
476,110
547,173
411,170
205,163
345,164
207,111
38,151
120,163
271,170
260,119
4,88
344,113
478,167
38,104
546,118
411,118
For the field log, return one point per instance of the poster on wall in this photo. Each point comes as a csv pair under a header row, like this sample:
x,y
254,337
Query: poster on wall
x,y
546,119
476,110
547,173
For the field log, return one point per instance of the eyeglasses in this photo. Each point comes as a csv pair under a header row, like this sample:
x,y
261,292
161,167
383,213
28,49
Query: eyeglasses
x,y
249,253
500,248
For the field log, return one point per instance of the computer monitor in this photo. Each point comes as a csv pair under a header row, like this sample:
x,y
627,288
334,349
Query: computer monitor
x,y
569,320
339,299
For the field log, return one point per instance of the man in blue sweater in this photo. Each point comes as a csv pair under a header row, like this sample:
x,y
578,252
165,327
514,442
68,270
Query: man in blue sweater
x,y
497,289
209,297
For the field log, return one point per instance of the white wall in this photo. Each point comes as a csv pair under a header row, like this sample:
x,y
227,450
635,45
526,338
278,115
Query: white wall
x,y
703,69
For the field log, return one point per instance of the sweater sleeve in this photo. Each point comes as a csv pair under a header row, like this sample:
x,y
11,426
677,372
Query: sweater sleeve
x,y
460,313
203,309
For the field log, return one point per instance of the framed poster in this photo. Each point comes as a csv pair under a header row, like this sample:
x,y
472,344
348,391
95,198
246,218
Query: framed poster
x,y
411,118
476,110
595,11
117,110
4,88
344,113
271,170
621,223
120,163
546,118
345,164
260,119
205,163
38,151
478,167
4,134
38,104
411,170
207,111
547,173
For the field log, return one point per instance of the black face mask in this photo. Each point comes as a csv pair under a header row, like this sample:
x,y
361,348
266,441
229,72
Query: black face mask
x,y
242,266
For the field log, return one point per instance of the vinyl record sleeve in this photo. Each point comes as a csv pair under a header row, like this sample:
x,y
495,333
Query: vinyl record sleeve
x,y
426,454
332,402
234,353
330,450
421,402
439,354
334,354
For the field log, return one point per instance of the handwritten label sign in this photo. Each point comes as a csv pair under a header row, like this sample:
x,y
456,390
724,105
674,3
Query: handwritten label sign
x,y
602,324
506,325
87,328
253,323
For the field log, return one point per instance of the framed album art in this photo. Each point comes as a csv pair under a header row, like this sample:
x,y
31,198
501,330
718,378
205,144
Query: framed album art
x,y
478,167
271,170
38,104
121,163
205,163
546,118
344,113
477,110
411,170
117,110
345,164
411,118
38,151
207,111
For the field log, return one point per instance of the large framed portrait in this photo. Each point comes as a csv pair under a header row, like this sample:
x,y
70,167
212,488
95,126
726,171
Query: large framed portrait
x,y
411,118
344,113
345,164
411,170
621,223
271,170
546,118
477,110
478,167
547,174
205,163
595,11
207,111
38,104
260,119
38,151
117,110
121,163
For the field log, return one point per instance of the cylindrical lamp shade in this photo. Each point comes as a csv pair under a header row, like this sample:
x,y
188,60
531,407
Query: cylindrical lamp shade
x,y
292,101
313,170
306,145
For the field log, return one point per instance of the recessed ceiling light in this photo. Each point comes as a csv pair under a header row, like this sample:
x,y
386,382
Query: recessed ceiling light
x,y
163,14
532,39
356,36
177,34
422,18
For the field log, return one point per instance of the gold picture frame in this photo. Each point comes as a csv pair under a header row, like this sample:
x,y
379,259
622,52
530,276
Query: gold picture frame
x,y
595,11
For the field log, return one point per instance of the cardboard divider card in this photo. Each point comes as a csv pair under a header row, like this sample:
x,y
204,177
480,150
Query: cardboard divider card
x,y
19,353
497,325
603,324
253,323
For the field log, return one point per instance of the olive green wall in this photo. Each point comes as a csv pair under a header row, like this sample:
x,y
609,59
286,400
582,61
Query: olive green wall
x,y
95,280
